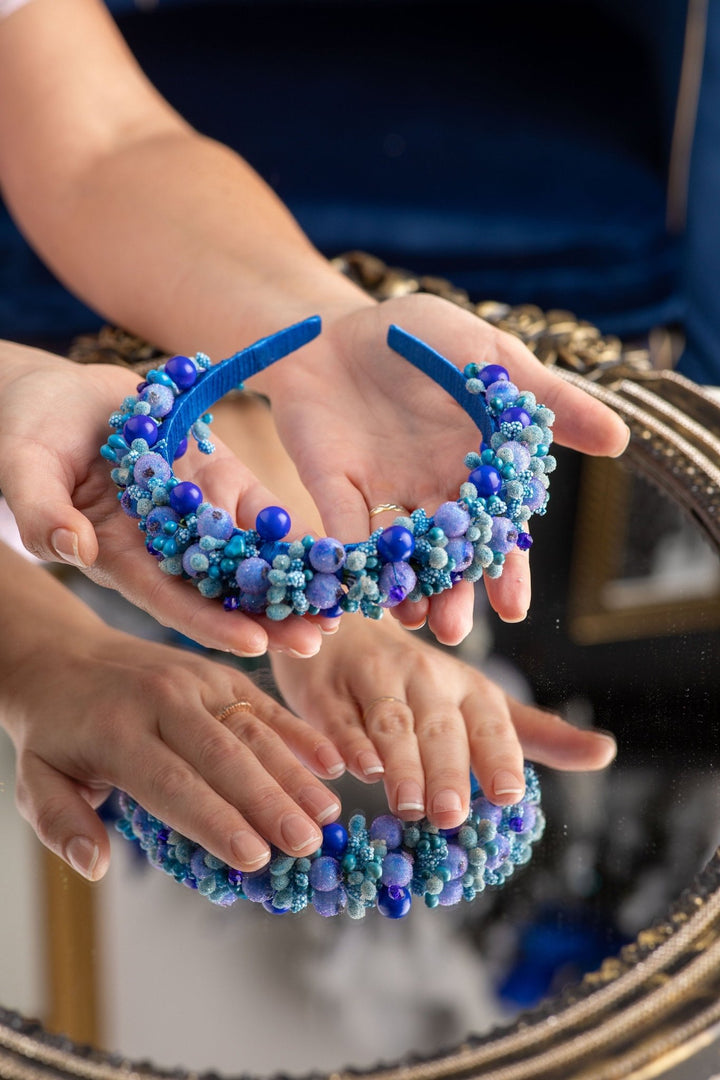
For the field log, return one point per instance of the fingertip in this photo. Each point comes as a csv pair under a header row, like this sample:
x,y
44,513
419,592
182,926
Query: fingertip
x,y
87,857
623,440
67,547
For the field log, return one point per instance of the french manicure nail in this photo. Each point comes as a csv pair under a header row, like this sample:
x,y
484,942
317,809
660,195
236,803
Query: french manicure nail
x,y
446,801
331,761
66,546
82,855
506,783
249,849
410,796
315,802
298,833
370,763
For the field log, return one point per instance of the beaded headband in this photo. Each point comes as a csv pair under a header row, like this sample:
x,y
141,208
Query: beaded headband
x,y
382,865
259,572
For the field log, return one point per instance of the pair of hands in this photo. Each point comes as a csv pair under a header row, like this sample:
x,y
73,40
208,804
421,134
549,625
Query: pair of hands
x,y
362,426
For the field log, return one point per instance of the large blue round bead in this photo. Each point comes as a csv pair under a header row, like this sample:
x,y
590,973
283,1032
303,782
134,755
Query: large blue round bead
x,y
182,371
185,497
335,839
516,415
393,901
273,523
140,427
487,480
395,544
493,373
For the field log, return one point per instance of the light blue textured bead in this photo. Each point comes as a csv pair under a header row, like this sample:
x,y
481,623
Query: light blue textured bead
x,y
278,612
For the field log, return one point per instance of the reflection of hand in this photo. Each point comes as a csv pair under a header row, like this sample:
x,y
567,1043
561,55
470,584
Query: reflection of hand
x,y
365,428
89,709
443,718
53,419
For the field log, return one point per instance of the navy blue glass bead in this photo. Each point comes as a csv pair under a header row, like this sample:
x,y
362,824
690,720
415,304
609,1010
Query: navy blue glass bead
x,y
185,497
182,371
524,541
335,839
394,901
274,909
486,479
516,415
273,523
181,448
395,544
493,373
333,612
140,427
516,824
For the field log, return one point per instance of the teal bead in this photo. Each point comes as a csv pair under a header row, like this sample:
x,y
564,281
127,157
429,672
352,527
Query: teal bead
x,y
431,900
214,571
228,566
349,861
235,547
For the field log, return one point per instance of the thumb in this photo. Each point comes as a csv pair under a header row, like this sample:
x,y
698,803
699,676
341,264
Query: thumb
x,y
38,493
62,819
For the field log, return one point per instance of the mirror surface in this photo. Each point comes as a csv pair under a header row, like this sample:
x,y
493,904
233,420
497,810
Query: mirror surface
x,y
182,982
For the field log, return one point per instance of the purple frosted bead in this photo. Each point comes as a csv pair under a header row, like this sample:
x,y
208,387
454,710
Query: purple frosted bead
x,y
327,555
453,519
520,454
185,497
158,518
213,521
487,480
160,399
151,467
253,603
272,523
195,560
198,865
258,886
393,901
503,850
504,535
335,839
536,495
129,504
388,828
492,373
502,393
516,415
486,810
325,873
462,552
524,541
397,869
396,580
323,591
330,903
456,861
452,893
182,371
140,427
251,576
395,544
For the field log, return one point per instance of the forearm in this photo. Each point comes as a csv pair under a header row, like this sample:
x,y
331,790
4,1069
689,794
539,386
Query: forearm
x,y
158,228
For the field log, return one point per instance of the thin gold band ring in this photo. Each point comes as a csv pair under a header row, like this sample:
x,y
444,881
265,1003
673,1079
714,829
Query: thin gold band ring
x,y
385,508
235,706
377,700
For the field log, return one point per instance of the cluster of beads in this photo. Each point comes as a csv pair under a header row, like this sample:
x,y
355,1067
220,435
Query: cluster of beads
x,y
259,572
383,865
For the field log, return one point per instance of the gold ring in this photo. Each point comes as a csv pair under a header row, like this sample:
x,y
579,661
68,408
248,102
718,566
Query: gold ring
x,y
377,700
234,706
384,508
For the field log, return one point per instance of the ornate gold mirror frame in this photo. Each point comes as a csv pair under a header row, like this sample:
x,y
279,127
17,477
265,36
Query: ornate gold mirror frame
x,y
657,1004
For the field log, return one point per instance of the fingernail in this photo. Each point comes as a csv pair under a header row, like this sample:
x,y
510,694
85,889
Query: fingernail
x,y
626,443
515,619
316,803
257,645
298,833
410,796
66,546
330,630
331,761
506,783
82,855
370,764
299,655
446,801
249,849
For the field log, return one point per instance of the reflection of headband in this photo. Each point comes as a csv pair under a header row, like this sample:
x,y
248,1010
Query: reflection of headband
x,y
259,572
382,866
